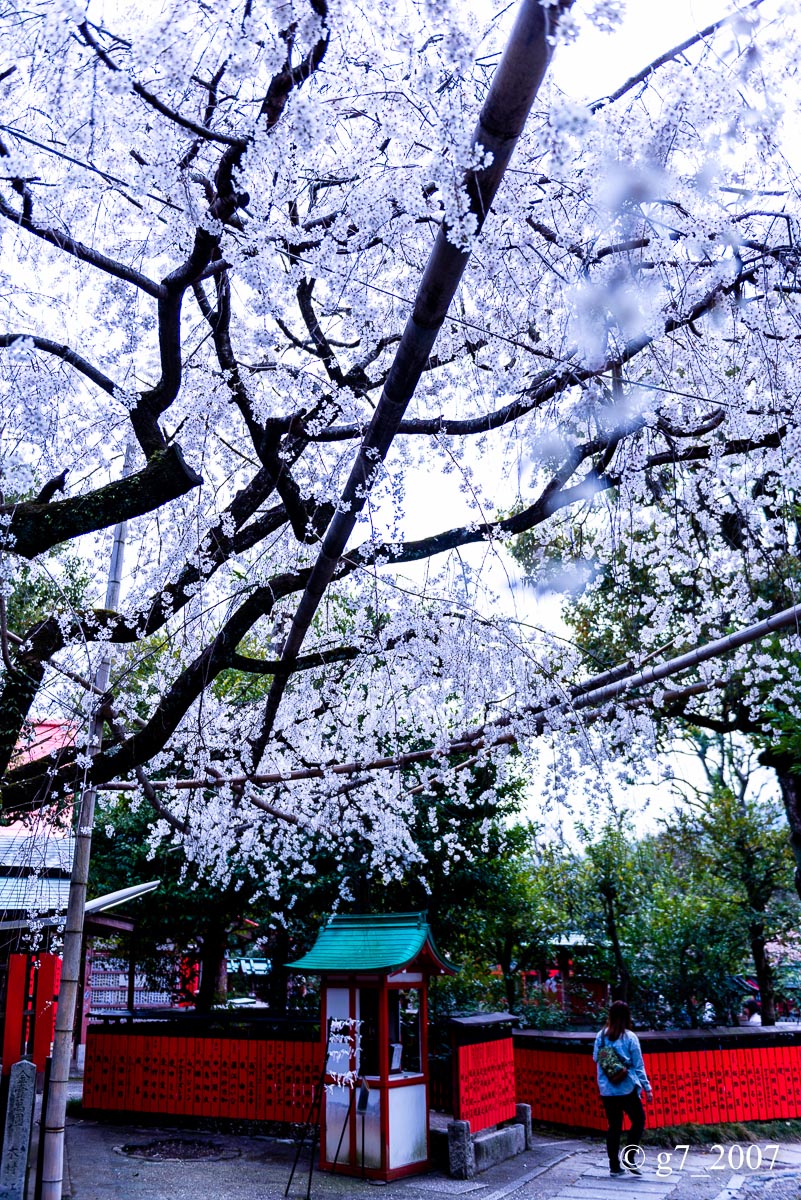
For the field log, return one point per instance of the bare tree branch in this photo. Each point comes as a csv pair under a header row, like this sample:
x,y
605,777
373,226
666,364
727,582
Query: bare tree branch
x,y
66,355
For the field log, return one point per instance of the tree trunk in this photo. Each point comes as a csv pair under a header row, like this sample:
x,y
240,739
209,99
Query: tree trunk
x,y
623,986
278,979
790,784
213,974
514,86
764,973
503,953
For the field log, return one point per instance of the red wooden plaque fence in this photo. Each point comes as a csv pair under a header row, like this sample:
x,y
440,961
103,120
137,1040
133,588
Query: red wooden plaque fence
x,y
483,1069
735,1081
231,1077
486,1083
716,1077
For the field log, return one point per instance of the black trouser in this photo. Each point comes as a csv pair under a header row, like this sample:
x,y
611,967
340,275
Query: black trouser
x,y
616,1106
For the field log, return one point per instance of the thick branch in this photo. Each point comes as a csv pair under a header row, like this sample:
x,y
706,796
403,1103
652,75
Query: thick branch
x,y
35,528
84,253
503,117
322,658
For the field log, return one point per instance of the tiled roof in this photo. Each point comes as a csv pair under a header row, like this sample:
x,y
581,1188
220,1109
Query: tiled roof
x,y
43,738
384,942
33,895
36,850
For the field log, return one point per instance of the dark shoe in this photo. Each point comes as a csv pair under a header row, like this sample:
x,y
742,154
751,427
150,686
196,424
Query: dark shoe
x,y
633,1171
616,1171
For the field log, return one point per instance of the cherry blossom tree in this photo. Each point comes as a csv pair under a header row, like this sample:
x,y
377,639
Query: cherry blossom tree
x,y
231,238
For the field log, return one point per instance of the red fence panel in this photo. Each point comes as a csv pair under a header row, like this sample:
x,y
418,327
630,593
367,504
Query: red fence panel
x,y
235,1078
486,1087
702,1078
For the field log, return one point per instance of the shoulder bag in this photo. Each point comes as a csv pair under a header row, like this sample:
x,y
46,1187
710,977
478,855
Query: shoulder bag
x,y
611,1063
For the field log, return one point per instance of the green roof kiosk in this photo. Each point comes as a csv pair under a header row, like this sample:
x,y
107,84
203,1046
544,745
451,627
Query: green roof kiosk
x,y
375,972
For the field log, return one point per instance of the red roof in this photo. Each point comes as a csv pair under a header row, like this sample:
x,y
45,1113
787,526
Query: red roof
x,y
43,738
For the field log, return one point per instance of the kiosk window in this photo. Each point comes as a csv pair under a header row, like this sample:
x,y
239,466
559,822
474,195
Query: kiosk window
x,y
404,1031
368,1010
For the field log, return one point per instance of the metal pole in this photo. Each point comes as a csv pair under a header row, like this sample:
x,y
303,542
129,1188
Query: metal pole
x,y
55,1119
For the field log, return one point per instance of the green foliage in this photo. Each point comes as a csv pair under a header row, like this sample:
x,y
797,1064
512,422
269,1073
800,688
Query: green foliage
x,y
669,914
541,1011
692,949
37,594
605,890
742,842
56,583
474,989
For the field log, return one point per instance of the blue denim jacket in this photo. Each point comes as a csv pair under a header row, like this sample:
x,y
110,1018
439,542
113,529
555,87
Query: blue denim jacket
x,y
628,1048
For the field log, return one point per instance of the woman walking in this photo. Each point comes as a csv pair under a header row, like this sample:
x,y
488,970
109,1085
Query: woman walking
x,y
622,1083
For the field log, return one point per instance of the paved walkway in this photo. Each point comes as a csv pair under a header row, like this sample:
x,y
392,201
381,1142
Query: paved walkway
x,y
707,1174
258,1168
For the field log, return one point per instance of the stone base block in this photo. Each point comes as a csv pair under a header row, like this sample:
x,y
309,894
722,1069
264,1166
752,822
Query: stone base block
x,y
496,1145
461,1156
468,1155
523,1117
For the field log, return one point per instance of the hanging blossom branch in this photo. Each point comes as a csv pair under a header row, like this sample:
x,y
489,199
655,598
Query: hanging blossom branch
x,y
591,694
67,355
205,542
549,384
41,642
503,117
86,31
669,55
49,637
556,496
69,245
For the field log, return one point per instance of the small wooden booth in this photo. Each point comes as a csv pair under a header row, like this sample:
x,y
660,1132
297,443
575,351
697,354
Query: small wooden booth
x,y
375,969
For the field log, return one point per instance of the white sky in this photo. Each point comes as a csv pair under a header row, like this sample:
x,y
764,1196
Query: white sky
x,y
597,63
